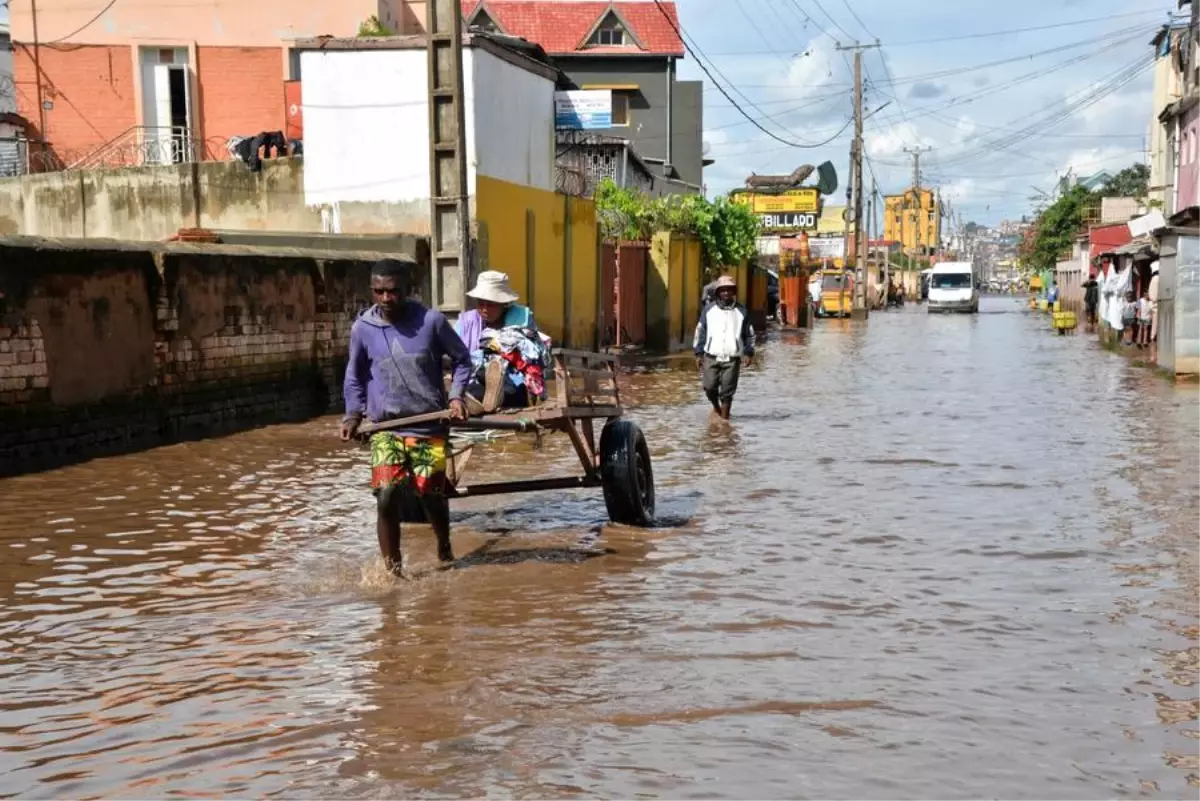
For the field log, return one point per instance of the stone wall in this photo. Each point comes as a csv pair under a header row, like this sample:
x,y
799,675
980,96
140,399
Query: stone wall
x,y
152,203
110,347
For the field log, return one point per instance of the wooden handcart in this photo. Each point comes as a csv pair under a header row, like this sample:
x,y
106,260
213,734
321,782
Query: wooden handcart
x,y
585,395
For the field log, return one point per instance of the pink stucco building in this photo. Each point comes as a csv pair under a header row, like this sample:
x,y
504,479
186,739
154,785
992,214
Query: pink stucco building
x,y
108,72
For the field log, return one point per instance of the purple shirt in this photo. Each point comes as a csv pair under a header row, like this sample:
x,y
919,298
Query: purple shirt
x,y
395,368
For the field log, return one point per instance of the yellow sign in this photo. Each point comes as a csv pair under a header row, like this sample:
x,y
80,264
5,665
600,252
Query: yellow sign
x,y
805,201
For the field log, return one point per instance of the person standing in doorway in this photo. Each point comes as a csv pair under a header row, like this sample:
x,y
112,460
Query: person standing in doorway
x,y
723,344
1153,293
1091,301
395,371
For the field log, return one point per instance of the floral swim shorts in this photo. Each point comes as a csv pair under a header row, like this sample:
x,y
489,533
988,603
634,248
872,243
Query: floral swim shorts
x,y
415,462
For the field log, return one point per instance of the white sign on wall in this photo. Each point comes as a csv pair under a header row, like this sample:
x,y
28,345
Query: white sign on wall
x,y
584,109
827,247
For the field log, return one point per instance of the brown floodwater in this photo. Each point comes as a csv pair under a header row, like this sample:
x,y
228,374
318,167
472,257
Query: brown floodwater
x,y
933,557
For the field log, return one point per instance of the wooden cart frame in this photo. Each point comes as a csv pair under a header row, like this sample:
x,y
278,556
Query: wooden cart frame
x,y
586,397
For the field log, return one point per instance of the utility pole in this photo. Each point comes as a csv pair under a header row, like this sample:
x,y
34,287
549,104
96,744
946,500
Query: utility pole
x,y
37,74
859,311
876,202
448,212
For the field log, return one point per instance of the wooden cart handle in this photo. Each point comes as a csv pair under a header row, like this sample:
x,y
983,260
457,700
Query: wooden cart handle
x,y
522,425
400,422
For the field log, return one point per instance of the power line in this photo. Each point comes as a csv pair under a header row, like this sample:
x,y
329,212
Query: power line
x,y
987,34
1107,86
981,34
1088,42
658,4
858,19
829,16
84,26
757,29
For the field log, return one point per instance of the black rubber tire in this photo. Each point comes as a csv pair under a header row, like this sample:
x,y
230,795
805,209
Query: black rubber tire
x,y
626,474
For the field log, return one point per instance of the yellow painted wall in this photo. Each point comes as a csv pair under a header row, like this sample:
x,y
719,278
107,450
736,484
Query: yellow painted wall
x,y
674,279
693,284
675,299
585,274
537,237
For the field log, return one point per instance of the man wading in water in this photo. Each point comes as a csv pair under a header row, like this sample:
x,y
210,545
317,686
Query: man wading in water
x,y
395,370
724,343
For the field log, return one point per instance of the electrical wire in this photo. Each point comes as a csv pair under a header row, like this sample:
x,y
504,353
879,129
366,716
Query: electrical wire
x,y
1089,42
857,18
759,31
829,16
658,4
988,34
1107,86
82,27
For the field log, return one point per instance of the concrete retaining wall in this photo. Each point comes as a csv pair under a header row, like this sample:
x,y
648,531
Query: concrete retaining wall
x,y
110,347
152,203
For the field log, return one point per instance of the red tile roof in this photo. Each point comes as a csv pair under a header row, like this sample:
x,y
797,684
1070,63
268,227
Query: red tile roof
x,y
561,26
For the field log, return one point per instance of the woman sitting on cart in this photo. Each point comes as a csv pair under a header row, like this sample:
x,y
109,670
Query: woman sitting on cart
x,y
508,355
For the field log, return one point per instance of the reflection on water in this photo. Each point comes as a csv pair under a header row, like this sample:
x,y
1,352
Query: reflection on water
x,y
932,556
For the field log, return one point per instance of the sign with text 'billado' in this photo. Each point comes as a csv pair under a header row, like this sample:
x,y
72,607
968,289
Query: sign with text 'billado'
x,y
583,110
789,221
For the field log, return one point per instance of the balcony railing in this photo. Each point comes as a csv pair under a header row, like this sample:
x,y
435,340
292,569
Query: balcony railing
x,y
138,146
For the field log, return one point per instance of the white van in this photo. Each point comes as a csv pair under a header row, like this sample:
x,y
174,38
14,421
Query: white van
x,y
952,288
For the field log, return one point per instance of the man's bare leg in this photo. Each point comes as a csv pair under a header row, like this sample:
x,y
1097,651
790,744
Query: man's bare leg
x,y
725,408
387,527
437,510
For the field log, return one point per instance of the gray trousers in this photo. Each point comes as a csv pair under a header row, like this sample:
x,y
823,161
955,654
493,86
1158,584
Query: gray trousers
x,y
720,379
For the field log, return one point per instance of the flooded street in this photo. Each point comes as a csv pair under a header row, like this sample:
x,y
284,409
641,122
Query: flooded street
x,y
937,557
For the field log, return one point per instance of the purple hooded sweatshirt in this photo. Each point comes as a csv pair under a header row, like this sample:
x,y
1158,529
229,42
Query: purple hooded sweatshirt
x,y
395,368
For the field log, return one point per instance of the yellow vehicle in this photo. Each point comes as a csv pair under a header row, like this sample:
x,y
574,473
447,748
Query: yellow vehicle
x,y
837,294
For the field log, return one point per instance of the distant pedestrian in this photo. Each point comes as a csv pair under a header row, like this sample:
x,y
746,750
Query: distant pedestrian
x,y
1052,296
708,294
1091,301
724,343
1143,320
1129,317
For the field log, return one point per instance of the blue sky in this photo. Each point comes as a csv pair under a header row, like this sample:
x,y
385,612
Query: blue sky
x,y
781,56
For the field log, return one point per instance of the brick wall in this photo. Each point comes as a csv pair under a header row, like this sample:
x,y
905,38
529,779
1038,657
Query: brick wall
x,y
114,349
91,89
240,90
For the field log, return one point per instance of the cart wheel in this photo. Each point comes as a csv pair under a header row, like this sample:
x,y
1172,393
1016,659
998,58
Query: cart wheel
x,y
626,474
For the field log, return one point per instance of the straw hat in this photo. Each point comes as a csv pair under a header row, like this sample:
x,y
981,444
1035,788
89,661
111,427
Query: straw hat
x,y
492,285
726,281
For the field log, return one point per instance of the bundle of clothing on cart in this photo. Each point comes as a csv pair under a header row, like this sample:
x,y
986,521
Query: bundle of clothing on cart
x,y
522,354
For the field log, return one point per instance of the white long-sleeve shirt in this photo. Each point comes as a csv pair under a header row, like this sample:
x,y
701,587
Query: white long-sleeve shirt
x,y
724,333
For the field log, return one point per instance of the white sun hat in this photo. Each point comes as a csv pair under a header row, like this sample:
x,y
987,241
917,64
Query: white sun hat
x,y
492,285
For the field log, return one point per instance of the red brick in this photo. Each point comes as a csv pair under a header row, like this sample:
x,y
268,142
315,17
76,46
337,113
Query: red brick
x,y
91,87
241,92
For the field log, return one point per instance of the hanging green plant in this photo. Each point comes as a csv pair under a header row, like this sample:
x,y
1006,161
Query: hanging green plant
x,y
728,231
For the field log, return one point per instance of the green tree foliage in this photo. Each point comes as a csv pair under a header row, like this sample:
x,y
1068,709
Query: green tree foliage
x,y
1129,182
728,231
1056,229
